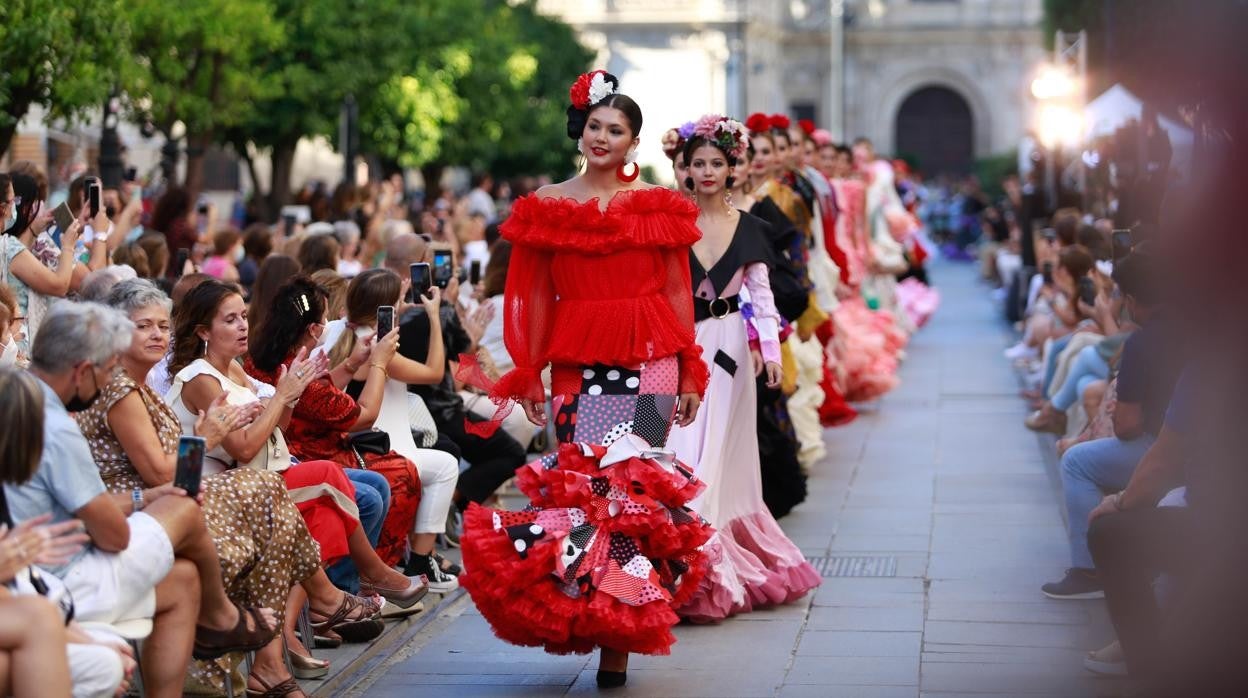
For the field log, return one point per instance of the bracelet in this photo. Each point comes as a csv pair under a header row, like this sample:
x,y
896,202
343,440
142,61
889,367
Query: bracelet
x,y
136,498
351,368
383,368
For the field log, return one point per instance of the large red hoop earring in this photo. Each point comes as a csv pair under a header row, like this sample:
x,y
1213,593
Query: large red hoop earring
x,y
619,173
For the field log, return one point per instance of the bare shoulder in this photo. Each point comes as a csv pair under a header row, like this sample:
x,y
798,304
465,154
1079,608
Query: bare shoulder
x,y
552,191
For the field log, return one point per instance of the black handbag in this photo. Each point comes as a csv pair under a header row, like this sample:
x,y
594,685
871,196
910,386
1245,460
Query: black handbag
x,y
372,441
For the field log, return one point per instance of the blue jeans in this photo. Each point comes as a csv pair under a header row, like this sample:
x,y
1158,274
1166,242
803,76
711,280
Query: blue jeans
x,y
1050,364
1087,367
372,497
1090,470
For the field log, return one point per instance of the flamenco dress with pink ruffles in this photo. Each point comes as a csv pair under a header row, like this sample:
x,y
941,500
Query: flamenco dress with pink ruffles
x,y
752,563
607,548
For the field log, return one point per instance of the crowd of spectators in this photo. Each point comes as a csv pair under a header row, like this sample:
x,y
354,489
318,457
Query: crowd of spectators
x,y
332,480
1122,365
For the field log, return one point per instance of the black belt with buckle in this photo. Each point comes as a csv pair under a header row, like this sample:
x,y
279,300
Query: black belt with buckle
x,y
718,308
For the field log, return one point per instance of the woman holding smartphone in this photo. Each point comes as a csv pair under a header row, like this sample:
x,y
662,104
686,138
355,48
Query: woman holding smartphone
x,y
324,417
368,295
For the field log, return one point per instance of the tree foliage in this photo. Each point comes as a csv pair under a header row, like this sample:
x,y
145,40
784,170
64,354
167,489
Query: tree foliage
x,y
61,56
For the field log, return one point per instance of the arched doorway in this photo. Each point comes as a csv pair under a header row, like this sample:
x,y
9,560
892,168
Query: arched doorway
x,y
935,129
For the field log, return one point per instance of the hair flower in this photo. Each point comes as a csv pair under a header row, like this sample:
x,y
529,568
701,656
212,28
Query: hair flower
x,y
758,121
779,121
727,134
686,130
807,126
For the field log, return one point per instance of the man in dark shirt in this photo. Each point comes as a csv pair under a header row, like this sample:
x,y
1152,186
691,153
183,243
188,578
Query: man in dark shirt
x,y
1147,372
492,459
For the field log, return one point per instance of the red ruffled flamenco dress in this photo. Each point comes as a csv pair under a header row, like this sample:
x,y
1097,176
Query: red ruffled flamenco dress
x,y
607,549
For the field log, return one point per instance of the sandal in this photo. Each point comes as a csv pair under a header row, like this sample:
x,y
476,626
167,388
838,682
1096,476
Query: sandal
x,y
356,620
282,689
211,643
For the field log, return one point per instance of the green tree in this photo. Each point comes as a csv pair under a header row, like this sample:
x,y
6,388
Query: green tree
x,y
492,97
61,56
331,48
199,63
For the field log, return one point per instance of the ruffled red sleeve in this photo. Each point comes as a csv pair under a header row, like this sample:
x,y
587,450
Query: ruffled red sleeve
x,y
528,316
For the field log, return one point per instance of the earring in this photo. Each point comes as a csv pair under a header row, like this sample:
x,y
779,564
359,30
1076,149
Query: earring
x,y
626,178
580,147
205,351
728,199
631,158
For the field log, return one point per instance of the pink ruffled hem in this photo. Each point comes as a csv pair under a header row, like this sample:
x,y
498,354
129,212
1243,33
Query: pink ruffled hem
x,y
752,565
917,300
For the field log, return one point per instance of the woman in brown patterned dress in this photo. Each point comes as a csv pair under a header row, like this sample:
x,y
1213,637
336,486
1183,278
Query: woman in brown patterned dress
x,y
263,542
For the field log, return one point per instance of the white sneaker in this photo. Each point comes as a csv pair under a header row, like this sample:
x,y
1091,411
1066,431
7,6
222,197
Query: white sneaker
x,y
1021,351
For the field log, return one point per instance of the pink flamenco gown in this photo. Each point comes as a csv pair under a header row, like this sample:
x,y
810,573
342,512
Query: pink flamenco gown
x,y
607,550
752,563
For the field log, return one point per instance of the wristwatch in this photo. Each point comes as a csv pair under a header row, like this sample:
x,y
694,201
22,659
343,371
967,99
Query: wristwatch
x,y
136,497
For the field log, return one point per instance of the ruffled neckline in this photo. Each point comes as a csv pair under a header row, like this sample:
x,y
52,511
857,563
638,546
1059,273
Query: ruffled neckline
x,y
654,217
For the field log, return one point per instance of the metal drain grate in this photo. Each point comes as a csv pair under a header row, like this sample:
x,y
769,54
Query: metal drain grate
x,y
855,566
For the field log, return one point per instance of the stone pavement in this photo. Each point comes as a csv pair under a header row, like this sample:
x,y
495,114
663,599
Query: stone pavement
x,y
941,480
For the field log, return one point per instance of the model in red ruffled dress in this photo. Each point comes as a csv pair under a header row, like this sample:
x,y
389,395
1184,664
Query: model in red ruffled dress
x,y
598,288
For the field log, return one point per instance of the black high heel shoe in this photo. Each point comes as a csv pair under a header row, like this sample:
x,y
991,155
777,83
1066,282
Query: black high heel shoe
x,y
612,679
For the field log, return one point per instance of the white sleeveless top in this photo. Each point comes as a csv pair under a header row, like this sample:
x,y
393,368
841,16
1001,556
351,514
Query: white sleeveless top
x,y
392,417
218,460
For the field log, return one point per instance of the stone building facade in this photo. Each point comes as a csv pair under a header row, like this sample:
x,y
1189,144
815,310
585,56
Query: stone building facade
x,y
942,81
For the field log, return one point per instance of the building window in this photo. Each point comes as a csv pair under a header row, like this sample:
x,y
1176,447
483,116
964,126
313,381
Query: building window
x,y
802,110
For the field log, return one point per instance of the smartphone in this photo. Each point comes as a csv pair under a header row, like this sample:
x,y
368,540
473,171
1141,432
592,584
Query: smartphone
x,y
385,320
288,225
1087,290
1047,272
474,272
1121,241
442,268
190,469
422,281
180,260
63,216
93,197
131,174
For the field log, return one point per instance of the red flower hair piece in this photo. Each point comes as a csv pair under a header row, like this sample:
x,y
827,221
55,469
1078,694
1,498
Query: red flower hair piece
x,y
758,122
579,92
807,126
779,121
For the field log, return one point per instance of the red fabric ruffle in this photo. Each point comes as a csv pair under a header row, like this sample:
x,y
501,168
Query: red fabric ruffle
x,y
519,585
654,217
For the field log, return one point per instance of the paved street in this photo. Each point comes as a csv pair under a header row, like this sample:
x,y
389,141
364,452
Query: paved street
x,y
941,486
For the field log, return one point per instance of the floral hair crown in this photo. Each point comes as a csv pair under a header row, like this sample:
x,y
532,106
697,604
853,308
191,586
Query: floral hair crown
x,y
591,88
729,134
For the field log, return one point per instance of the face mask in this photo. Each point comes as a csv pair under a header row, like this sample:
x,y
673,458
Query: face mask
x,y
78,404
12,217
239,253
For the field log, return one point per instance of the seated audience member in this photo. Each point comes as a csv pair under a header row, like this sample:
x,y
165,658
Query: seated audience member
x,y
274,271
335,290
150,554
158,378
97,285
438,470
131,255
1147,371
10,329
323,420
319,251
493,459
33,624
157,250
227,251
264,545
341,512
493,283
257,246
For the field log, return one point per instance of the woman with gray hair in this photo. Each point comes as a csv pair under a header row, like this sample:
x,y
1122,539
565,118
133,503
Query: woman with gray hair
x,y
260,536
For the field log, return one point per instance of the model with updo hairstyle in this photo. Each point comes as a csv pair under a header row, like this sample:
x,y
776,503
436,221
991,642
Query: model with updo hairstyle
x,y
298,304
567,306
